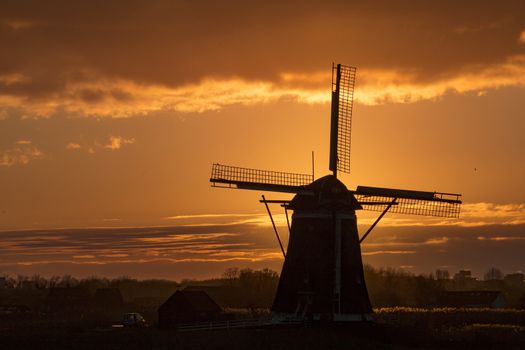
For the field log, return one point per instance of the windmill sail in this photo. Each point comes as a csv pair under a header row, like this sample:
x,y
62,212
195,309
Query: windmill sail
x,y
343,82
409,202
255,179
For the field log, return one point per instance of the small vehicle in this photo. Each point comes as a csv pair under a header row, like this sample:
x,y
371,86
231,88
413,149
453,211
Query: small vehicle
x,y
133,319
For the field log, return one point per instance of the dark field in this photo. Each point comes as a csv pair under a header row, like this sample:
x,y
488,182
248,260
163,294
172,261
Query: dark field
x,y
399,328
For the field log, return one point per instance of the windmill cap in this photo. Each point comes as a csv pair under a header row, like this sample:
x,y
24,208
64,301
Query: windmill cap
x,y
328,193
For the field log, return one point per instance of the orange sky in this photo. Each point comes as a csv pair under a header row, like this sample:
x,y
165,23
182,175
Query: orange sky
x,y
111,113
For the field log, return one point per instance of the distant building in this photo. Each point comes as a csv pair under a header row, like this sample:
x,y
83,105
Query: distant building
x,y
463,275
514,279
188,307
464,280
473,299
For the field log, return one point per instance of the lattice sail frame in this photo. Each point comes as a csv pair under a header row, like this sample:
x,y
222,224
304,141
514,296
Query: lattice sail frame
x,y
436,204
343,84
226,176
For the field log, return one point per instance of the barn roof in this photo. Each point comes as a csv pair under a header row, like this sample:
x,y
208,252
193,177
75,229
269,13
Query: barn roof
x,y
197,300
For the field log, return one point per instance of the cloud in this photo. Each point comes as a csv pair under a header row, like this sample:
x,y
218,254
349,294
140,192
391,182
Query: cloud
x,y
501,238
203,220
236,244
116,142
522,37
14,78
206,216
431,241
100,67
191,251
376,252
19,24
472,215
23,142
399,87
21,154
487,26
207,95
100,98
73,146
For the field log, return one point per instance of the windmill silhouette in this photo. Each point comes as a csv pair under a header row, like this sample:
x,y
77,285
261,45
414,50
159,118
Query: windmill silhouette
x,y
322,276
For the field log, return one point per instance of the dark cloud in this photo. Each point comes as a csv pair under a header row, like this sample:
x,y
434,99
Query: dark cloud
x,y
175,42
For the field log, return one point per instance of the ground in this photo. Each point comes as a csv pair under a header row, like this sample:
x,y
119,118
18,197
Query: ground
x,y
364,336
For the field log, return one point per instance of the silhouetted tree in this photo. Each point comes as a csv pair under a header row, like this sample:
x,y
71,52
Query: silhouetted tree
x,y
53,281
68,281
39,281
231,275
93,283
20,279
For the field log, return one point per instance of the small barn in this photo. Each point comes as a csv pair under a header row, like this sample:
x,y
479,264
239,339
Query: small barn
x,y
188,306
225,295
473,299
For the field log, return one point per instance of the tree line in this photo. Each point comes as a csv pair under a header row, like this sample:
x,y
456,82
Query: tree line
x,y
248,288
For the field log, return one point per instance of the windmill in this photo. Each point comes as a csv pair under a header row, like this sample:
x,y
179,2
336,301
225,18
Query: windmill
x,y
322,276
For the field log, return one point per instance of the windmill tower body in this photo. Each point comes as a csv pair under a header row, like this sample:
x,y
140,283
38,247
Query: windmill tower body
x,y
322,276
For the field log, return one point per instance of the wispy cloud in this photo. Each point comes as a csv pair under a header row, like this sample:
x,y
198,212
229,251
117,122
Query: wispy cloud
x,y
378,252
501,238
22,153
383,244
19,24
73,146
212,248
23,142
206,216
521,39
472,215
14,78
179,243
113,143
116,142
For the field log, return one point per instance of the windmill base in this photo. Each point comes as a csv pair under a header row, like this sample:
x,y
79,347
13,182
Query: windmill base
x,y
290,318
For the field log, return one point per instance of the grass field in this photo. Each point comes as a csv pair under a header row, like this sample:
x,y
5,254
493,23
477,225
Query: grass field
x,y
395,328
